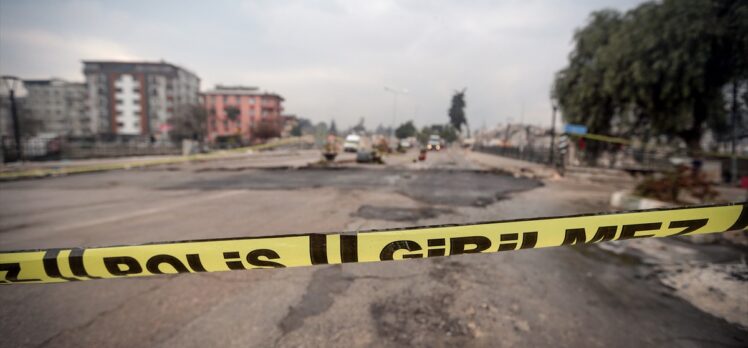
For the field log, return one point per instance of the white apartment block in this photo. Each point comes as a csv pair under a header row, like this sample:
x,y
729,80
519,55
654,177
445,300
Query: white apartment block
x,y
137,98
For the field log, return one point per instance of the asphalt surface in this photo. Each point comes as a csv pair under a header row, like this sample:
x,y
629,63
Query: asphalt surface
x,y
581,296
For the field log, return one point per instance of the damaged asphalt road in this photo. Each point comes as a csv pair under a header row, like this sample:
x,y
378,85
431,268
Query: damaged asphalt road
x,y
455,187
581,296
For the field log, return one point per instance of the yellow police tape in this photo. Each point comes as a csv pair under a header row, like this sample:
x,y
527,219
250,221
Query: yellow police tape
x,y
61,265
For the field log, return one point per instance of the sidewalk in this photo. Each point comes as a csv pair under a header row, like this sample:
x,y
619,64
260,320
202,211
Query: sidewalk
x,y
514,166
27,170
32,165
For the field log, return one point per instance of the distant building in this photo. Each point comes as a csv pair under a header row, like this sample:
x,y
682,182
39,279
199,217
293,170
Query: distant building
x,y
136,98
233,111
6,123
58,106
515,135
289,122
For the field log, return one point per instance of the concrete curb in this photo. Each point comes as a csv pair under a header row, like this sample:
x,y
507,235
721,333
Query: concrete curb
x,y
45,172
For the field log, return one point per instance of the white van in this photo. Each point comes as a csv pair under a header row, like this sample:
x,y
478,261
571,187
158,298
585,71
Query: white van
x,y
352,143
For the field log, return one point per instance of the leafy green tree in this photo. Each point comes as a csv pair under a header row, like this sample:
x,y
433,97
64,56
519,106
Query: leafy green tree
x,y
448,133
457,110
305,126
579,87
296,130
405,130
661,67
424,134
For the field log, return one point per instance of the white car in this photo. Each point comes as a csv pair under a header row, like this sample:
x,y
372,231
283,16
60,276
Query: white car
x,y
352,143
435,143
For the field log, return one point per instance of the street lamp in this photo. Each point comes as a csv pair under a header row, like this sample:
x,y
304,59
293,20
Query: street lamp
x,y
10,83
395,92
553,128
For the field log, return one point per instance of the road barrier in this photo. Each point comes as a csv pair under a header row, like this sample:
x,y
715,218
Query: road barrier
x,y
217,255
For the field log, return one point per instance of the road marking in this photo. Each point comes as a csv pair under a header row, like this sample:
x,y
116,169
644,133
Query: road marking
x,y
149,211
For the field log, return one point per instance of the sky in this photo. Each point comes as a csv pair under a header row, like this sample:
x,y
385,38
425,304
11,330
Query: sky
x,y
328,59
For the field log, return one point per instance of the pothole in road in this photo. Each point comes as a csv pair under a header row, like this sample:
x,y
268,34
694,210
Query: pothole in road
x,y
436,187
423,321
319,296
372,212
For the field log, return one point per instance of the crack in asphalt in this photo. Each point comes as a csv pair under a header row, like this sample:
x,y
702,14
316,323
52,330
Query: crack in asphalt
x,y
104,313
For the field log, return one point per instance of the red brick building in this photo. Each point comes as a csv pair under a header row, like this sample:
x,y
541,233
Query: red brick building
x,y
235,111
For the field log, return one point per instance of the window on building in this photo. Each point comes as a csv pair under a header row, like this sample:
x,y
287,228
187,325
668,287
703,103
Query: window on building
x,y
120,124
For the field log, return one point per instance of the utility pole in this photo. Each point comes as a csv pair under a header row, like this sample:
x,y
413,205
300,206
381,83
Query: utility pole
x,y
395,93
553,130
10,83
734,159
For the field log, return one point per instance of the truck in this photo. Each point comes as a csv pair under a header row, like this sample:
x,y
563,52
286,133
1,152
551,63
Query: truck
x,y
352,143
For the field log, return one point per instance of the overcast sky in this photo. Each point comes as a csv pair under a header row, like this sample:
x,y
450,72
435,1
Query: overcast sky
x,y
329,59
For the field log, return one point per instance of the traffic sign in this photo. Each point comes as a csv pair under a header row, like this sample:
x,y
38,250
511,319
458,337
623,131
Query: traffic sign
x,y
575,129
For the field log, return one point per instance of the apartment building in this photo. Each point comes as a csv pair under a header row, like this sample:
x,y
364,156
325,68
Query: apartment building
x,y
233,111
58,106
137,98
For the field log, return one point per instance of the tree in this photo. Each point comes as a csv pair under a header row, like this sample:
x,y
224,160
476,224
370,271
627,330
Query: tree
x,y
457,110
423,135
232,113
405,130
265,129
188,122
29,123
359,128
306,126
578,88
333,128
662,67
446,132
296,130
